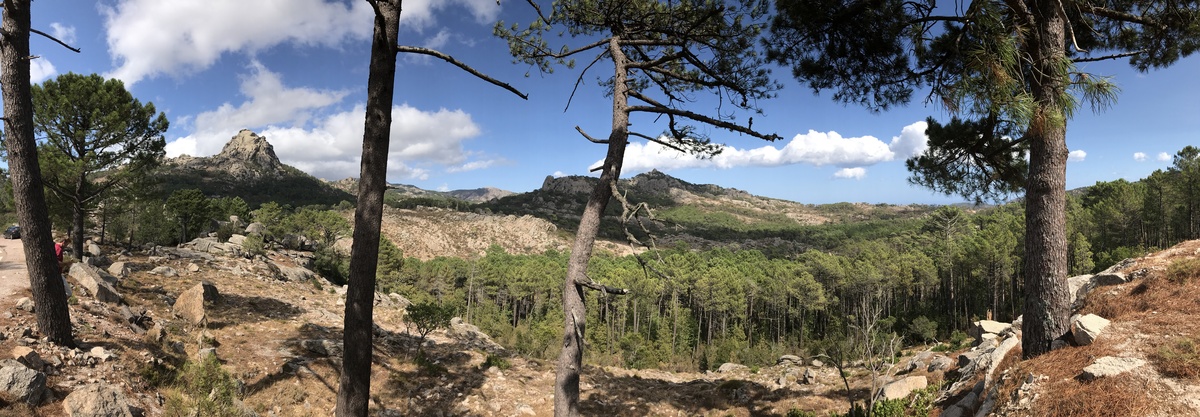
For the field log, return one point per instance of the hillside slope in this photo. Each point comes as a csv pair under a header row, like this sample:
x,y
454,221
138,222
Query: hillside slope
x,y
278,342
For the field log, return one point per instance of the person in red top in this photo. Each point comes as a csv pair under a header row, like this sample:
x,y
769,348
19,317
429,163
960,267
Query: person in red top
x,y
59,247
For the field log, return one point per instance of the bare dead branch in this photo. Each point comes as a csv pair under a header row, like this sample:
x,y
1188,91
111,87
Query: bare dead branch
x,y
589,137
658,141
579,80
602,288
1123,17
64,44
460,64
1113,56
536,8
655,107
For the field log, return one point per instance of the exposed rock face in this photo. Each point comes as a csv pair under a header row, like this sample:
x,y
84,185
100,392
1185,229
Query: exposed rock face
x,y
427,233
731,367
247,156
470,335
97,400
1087,328
21,383
28,357
191,304
96,284
119,269
901,388
480,195
1110,366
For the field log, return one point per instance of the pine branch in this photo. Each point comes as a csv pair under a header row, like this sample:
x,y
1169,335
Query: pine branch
x,y
64,44
460,64
658,108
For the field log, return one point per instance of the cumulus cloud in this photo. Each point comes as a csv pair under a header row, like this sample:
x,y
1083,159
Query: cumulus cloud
x,y
41,70
812,148
147,38
1077,155
851,173
1164,157
63,32
558,174
331,148
1139,156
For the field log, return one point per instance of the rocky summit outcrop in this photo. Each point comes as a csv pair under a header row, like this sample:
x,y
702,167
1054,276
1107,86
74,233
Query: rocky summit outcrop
x,y
246,157
248,167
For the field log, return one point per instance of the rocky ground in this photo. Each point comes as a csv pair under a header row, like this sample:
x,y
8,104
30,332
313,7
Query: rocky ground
x,y
277,332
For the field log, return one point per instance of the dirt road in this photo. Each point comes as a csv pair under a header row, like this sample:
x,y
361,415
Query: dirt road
x,y
14,278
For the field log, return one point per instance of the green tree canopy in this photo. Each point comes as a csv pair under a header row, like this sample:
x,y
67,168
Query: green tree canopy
x,y
1009,69
95,135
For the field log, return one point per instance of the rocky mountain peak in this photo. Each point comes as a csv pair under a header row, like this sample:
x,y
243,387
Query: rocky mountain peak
x,y
250,147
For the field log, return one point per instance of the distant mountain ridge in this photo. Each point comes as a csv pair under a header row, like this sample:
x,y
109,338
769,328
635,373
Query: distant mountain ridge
x,y
401,191
248,167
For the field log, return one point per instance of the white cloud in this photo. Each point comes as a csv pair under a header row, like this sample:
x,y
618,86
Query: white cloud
x,y
558,174
474,165
332,146
443,188
851,173
438,41
1077,155
1164,157
1139,156
147,38
63,32
813,148
41,70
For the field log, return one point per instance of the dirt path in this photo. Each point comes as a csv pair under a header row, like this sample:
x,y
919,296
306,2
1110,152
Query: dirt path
x,y
14,278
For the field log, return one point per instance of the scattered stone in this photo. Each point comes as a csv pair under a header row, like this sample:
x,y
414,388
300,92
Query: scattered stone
x,y
939,363
156,334
119,269
731,367
92,249
192,267
206,352
20,383
28,357
256,228
817,363
191,304
789,360
100,354
1110,366
810,377
792,375
901,388
323,347
237,239
1087,328
97,400
299,274
25,304
165,271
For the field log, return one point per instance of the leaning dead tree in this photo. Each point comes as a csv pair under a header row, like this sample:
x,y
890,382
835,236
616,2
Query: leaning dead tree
x,y
355,383
45,278
662,53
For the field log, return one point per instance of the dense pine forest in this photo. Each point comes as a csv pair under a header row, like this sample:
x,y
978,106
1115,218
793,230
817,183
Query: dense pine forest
x,y
921,280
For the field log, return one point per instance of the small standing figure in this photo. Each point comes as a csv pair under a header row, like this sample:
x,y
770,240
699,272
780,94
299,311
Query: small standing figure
x,y
60,247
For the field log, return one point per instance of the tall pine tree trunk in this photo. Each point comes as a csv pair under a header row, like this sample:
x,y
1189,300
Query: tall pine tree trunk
x,y
570,359
1046,304
355,384
49,294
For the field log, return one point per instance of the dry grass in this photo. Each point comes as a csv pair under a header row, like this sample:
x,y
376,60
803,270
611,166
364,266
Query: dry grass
x,y
1104,397
1178,358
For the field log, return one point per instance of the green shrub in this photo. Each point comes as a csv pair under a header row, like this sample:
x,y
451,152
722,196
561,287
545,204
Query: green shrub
x,y
203,388
922,329
254,246
496,361
1179,358
1184,270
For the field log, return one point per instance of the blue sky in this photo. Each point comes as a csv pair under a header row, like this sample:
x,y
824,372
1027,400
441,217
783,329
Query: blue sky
x,y
295,71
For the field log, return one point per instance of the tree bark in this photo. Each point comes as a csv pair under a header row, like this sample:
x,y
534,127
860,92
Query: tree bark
x,y
45,277
570,359
355,382
1046,305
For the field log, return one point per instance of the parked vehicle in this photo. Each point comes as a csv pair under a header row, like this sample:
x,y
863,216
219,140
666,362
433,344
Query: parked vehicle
x,y
12,232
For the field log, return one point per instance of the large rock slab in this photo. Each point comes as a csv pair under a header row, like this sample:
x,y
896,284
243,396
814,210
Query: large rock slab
x,y
119,269
732,367
1110,366
96,283
901,388
97,400
20,383
191,303
984,327
1087,328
